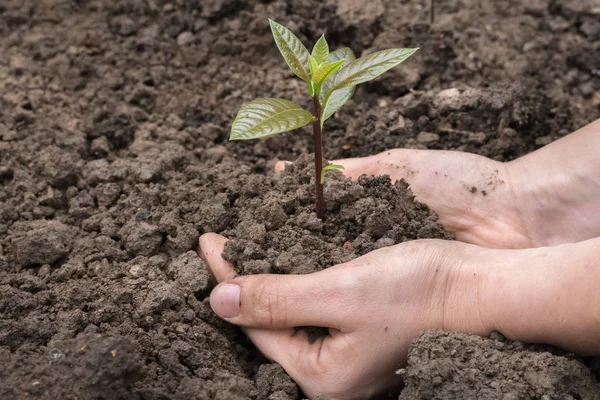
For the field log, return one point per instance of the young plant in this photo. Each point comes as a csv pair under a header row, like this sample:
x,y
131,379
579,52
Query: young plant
x,y
331,79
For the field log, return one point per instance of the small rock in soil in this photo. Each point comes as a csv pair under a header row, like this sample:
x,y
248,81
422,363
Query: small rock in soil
x,y
427,137
185,38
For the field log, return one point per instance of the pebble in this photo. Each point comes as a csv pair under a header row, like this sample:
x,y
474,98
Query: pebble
x,y
590,28
477,137
123,26
530,46
543,140
185,38
427,137
100,146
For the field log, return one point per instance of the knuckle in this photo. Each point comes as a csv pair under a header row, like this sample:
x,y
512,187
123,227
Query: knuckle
x,y
270,307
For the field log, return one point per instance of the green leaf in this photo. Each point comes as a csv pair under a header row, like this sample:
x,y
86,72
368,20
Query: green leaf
x,y
327,168
293,51
265,117
321,51
331,101
342,53
313,65
336,55
325,71
369,67
334,101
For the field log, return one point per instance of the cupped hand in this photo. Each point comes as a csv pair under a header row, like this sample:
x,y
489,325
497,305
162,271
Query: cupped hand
x,y
428,284
474,196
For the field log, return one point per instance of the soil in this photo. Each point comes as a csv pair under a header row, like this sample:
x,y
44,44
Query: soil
x,y
444,365
277,230
114,158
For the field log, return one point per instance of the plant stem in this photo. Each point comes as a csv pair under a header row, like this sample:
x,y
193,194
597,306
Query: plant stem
x,y
431,11
318,139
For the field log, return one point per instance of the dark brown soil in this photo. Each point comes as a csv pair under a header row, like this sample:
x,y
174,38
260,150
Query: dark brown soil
x,y
444,365
277,231
113,160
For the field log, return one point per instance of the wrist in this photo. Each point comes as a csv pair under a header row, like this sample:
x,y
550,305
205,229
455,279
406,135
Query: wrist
x,y
538,200
556,189
544,295
464,310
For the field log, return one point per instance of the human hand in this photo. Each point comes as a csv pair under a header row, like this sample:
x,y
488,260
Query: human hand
x,y
428,284
546,198
473,195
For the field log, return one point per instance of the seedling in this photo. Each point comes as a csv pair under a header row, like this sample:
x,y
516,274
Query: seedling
x,y
331,79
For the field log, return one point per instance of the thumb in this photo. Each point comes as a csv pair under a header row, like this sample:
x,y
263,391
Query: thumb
x,y
281,301
210,247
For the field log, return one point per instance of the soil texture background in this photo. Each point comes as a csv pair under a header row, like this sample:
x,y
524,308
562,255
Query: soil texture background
x,y
114,118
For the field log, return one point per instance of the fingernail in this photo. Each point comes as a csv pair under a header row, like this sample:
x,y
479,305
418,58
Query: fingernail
x,y
225,300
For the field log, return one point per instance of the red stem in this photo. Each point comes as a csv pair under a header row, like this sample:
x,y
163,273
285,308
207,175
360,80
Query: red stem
x,y
318,139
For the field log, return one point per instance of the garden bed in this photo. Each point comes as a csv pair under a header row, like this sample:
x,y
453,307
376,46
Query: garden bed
x,y
114,118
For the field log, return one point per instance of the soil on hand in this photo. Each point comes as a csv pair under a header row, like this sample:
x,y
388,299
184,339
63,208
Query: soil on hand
x,y
113,160
277,230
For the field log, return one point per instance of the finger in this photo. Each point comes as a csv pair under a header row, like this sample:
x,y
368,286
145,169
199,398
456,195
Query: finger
x,y
280,165
285,301
395,163
210,248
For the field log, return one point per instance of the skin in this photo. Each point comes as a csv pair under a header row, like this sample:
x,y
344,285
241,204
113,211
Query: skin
x,y
528,266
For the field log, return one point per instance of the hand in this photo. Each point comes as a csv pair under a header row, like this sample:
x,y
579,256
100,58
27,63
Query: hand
x,y
473,195
427,284
548,197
